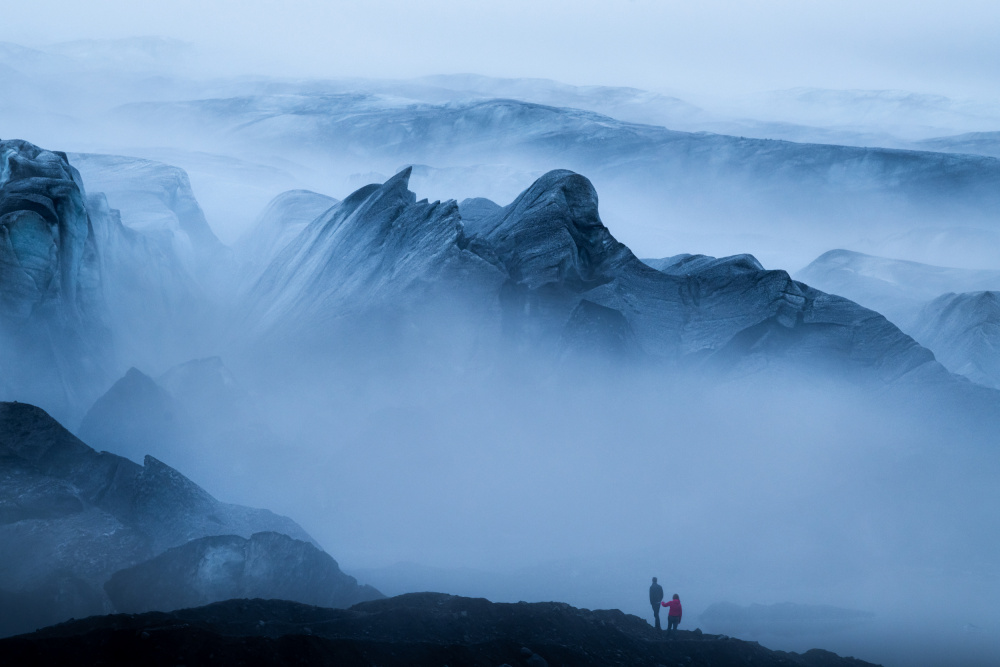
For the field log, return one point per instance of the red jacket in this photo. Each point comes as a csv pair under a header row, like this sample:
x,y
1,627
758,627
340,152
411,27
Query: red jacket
x,y
675,607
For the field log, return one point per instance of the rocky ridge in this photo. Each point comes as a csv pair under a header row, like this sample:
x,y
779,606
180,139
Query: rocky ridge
x,y
71,517
414,629
542,257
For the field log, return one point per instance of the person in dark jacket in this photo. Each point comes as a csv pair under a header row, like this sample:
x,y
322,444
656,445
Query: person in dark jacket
x,y
655,598
674,615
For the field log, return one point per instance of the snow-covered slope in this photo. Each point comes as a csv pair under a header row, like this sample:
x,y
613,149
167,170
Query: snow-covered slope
x,y
964,332
693,190
628,104
978,143
905,114
897,289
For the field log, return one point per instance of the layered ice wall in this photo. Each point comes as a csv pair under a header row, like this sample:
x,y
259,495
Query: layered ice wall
x,y
52,312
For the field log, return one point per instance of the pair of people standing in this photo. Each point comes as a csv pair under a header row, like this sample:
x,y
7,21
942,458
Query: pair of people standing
x,y
656,600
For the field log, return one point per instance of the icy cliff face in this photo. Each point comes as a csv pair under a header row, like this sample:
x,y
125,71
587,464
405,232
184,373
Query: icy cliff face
x,y
51,305
558,276
964,332
158,311
377,249
154,198
553,242
280,222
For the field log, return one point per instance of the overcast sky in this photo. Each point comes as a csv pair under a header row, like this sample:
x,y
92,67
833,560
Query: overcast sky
x,y
681,45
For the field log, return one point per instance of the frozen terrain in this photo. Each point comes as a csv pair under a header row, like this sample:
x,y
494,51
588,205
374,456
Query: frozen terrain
x,y
411,314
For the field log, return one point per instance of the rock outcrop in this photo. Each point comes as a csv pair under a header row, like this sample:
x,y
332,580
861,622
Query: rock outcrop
x,y
70,517
554,271
281,221
212,569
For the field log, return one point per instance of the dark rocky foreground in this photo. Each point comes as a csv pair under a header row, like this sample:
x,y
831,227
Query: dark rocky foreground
x,y
413,629
72,519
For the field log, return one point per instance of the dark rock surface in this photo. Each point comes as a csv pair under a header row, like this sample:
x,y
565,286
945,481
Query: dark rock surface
x,y
212,569
414,629
70,517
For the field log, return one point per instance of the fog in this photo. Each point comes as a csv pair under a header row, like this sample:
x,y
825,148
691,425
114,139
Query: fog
x,y
654,44
515,479
424,445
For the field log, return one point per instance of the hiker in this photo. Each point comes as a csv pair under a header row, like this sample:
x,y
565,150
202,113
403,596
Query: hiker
x,y
674,615
655,598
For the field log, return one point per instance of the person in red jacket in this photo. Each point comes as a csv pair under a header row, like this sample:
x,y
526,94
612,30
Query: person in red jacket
x,y
674,615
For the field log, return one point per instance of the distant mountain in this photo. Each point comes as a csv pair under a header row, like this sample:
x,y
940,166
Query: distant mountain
x,y
906,114
652,178
898,289
132,54
136,416
964,332
628,104
186,414
72,517
978,143
164,270
415,629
